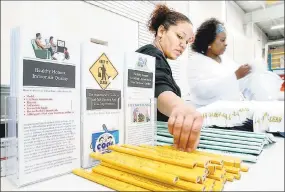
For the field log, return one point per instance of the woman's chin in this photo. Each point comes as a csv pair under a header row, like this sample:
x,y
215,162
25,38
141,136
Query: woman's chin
x,y
222,52
173,57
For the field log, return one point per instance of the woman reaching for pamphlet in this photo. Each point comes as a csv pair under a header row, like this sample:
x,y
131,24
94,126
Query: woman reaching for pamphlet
x,y
173,31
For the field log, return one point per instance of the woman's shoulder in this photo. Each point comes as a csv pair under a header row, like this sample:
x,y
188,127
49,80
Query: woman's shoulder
x,y
196,55
198,59
151,50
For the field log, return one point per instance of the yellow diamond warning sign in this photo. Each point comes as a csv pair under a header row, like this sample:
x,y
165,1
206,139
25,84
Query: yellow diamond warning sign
x,y
103,71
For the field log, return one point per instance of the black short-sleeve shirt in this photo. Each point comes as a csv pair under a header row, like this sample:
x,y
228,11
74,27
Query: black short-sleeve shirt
x,y
164,80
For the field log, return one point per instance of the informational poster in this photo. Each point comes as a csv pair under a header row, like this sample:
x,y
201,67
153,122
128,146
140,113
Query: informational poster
x,y
139,75
101,100
45,80
140,105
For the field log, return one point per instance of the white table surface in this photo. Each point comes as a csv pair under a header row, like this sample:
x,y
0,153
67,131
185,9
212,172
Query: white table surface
x,y
265,175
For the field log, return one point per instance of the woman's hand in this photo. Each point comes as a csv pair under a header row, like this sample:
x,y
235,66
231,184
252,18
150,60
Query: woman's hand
x,y
242,71
185,124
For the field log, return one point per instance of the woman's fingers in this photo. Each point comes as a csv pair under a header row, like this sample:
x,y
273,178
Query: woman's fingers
x,y
195,133
171,121
185,126
177,129
185,132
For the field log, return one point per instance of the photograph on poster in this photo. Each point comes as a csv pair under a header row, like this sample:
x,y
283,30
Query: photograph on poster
x,y
46,48
140,114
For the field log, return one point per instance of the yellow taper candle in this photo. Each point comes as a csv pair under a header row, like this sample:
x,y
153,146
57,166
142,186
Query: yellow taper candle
x,y
107,181
148,172
134,179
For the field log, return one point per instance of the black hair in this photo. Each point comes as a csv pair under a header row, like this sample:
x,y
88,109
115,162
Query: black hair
x,y
51,37
38,34
205,35
162,15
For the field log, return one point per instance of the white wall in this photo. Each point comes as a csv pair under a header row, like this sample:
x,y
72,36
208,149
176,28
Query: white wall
x,y
76,18
260,41
262,37
181,6
199,11
258,37
247,39
239,46
234,17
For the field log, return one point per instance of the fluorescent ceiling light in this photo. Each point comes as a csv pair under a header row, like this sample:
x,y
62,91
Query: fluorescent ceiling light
x,y
277,26
252,1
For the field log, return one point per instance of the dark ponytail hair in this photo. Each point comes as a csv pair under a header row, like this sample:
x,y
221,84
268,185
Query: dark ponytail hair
x,y
162,15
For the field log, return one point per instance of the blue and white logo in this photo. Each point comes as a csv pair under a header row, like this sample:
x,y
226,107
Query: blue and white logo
x,y
102,140
142,63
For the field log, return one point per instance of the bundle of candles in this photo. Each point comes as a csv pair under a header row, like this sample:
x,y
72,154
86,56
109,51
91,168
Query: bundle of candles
x,y
253,116
269,117
242,144
162,168
227,113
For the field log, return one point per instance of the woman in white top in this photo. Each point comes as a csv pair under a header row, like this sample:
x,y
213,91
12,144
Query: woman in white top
x,y
211,76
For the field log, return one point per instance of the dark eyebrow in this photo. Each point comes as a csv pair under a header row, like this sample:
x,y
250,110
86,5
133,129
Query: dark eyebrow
x,y
182,32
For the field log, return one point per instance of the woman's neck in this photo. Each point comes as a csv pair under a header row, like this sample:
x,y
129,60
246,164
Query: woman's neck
x,y
213,56
158,46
